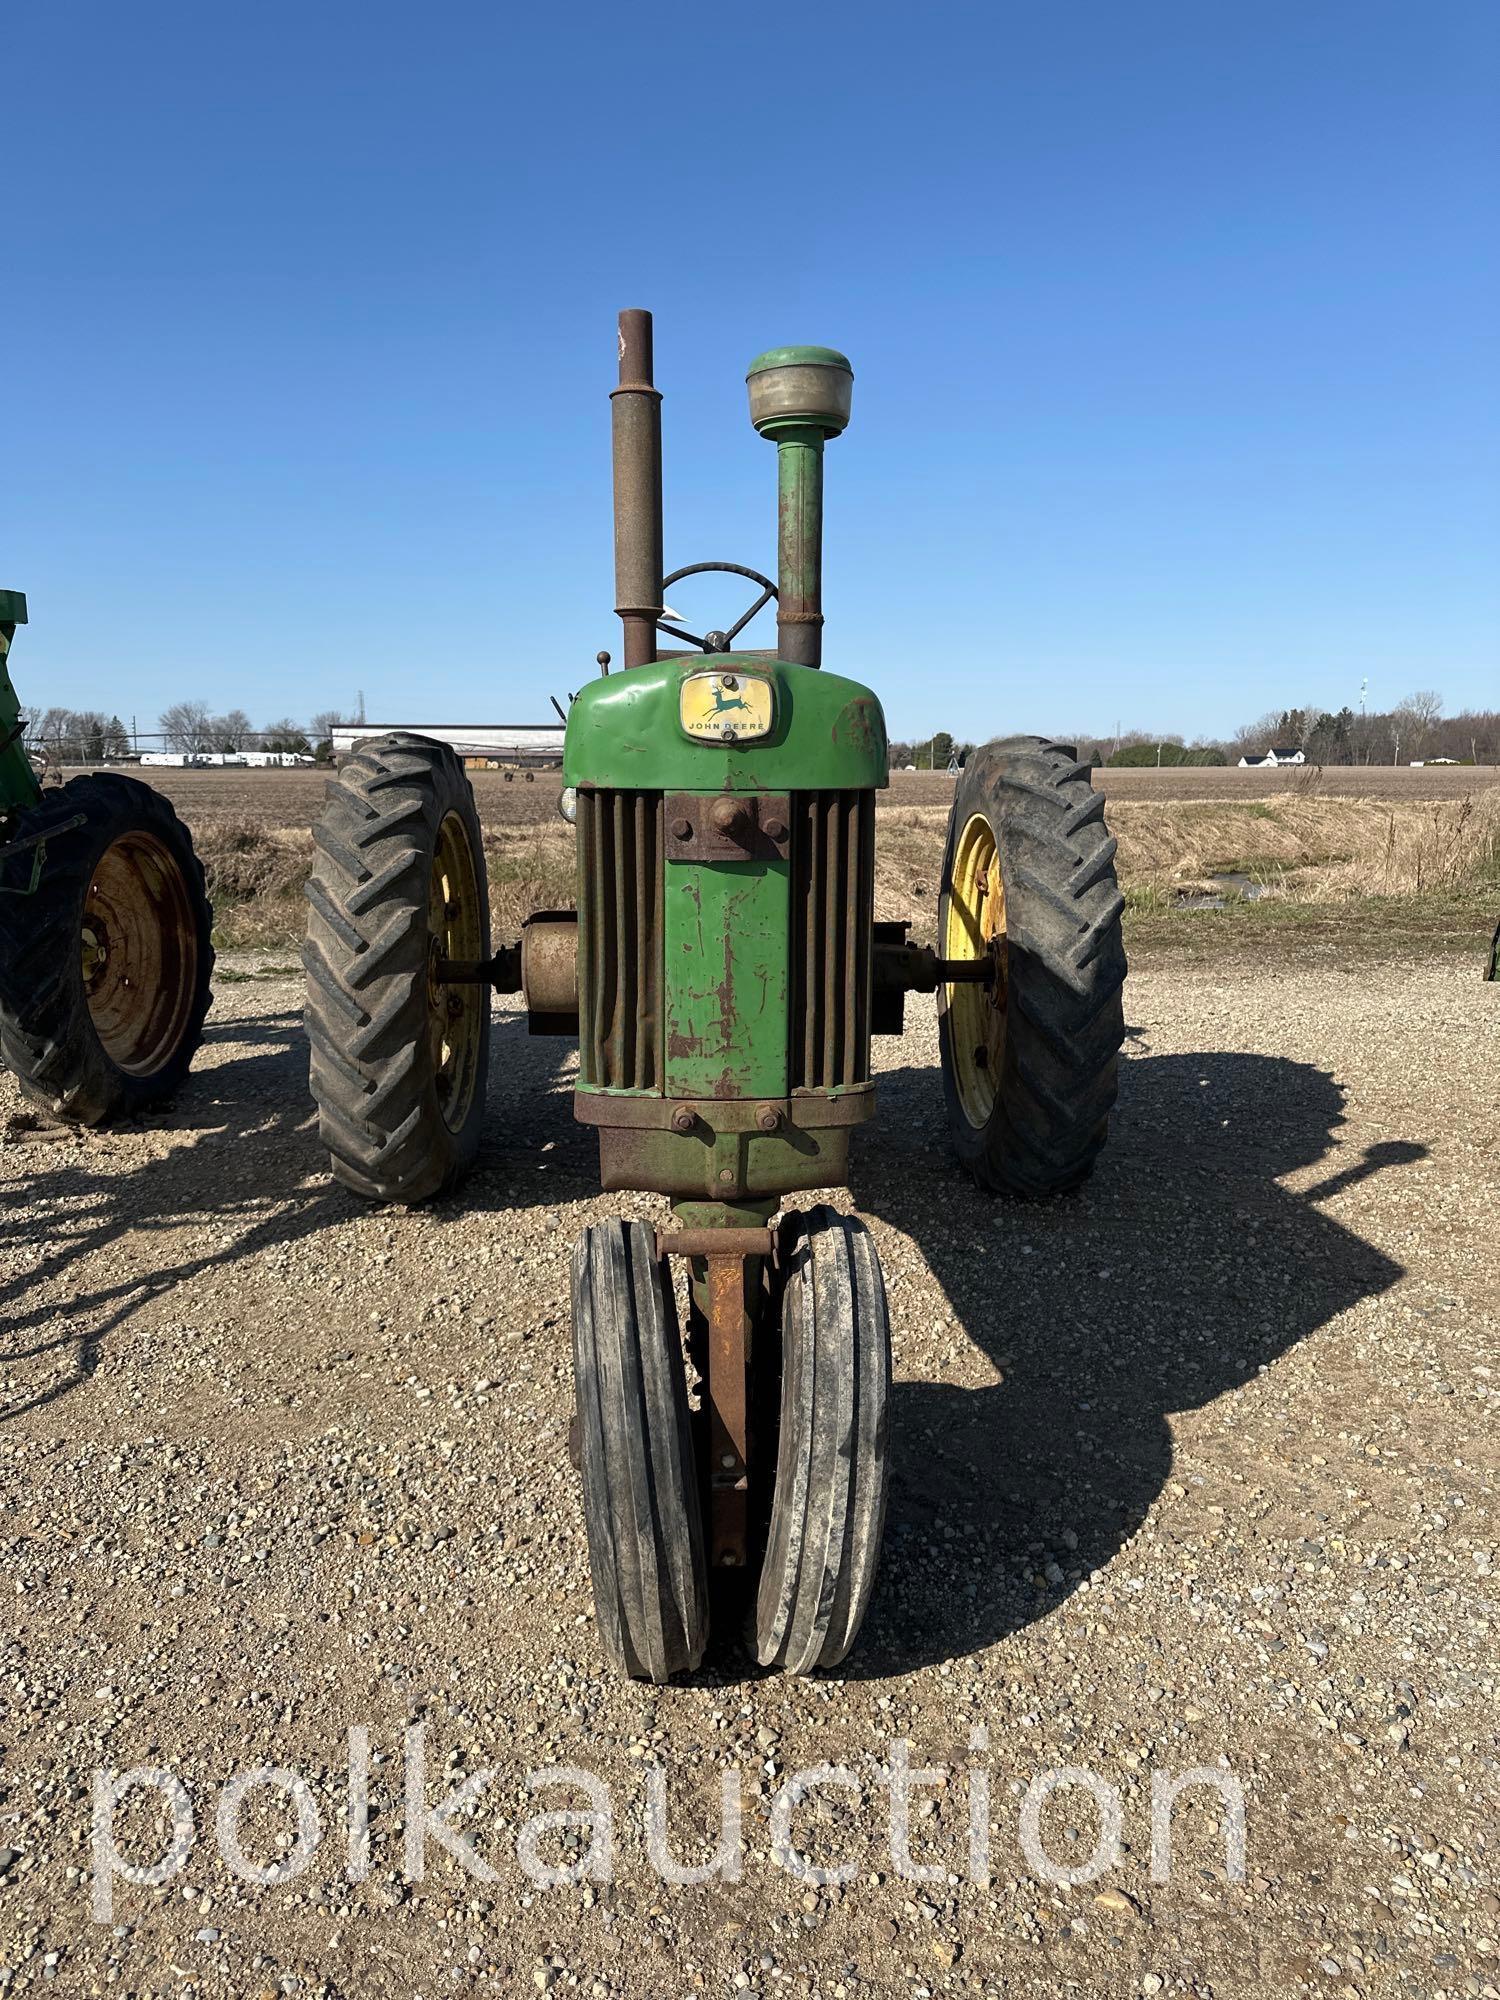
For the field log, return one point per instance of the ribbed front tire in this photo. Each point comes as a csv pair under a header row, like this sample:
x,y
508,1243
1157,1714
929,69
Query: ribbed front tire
x,y
828,1503
1028,884
641,1503
400,1055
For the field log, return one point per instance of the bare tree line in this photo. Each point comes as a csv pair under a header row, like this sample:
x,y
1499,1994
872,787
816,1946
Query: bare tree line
x,y
76,736
86,736
1416,730
191,726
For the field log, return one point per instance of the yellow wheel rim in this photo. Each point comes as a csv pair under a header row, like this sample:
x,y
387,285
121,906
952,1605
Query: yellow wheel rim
x,y
975,928
138,947
455,1017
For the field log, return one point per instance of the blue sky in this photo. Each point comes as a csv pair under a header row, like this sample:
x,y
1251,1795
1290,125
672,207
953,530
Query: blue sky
x,y
1174,328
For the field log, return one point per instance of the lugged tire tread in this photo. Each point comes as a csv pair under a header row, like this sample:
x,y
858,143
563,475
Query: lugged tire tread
x,y
1066,961
365,957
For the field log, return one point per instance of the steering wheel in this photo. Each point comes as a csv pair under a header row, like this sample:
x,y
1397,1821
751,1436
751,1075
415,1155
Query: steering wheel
x,y
717,642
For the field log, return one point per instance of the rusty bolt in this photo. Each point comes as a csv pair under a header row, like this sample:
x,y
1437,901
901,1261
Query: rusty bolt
x,y
726,1174
729,817
683,1120
768,1118
775,829
682,829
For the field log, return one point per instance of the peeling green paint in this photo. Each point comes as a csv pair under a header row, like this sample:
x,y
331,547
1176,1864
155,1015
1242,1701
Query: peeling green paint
x,y
726,944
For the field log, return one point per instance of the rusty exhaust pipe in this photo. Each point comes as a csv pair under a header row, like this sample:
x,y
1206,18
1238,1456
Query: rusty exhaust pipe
x,y
635,432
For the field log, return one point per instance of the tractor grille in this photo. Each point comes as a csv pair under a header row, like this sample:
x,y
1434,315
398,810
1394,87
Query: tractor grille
x,y
619,940
833,908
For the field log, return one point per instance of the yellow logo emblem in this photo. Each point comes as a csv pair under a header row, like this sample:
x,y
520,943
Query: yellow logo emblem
x,y
726,707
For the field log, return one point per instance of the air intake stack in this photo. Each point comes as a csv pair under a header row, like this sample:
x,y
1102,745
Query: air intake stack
x,y
799,397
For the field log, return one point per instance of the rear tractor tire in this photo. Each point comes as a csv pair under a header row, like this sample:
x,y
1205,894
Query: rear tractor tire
x,y
105,964
400,1057
1029,1060
641,1501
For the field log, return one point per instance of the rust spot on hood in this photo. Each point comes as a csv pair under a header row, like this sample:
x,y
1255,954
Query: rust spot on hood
x,y
861,725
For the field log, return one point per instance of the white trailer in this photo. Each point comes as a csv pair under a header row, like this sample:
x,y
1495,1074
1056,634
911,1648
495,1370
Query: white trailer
x,y
537,745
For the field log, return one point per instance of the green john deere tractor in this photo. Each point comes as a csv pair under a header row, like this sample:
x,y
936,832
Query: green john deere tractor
x,y
104,931
723,973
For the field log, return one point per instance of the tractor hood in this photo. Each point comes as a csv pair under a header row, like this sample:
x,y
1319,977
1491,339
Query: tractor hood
x,y
643,730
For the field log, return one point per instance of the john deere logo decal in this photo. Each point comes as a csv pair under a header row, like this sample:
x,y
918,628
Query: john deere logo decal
x,y
725,708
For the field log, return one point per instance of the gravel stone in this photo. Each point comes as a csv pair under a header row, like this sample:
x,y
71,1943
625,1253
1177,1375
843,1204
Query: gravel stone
x,y
1194,1468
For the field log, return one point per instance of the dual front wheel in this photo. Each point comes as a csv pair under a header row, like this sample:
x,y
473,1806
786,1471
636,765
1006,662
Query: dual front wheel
x,y
824,1342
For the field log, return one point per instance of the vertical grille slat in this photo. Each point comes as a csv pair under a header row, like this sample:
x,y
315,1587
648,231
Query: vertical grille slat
x,y
833,984
811,832
620,928
833,908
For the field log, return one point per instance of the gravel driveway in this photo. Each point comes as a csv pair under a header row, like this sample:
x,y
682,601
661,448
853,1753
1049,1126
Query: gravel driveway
x,y
1193,1472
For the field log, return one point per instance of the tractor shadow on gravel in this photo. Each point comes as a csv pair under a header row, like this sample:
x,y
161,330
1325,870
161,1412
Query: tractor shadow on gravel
x,y
251,1177
1181,1269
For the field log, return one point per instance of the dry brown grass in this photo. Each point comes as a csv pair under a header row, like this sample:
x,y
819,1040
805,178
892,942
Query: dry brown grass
x,y
530,868
1298,845
1313,849
255,875
244,859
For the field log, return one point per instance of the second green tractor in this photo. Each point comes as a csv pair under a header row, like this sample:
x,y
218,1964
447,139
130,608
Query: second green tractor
x,y
724,974
105,931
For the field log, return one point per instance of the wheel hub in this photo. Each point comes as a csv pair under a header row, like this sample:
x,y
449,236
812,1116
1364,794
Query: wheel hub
x,y
455,1023
138,953
975,928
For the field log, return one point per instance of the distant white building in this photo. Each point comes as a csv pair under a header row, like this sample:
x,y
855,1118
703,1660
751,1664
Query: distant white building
x,y
255,760
528,743
1272,758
